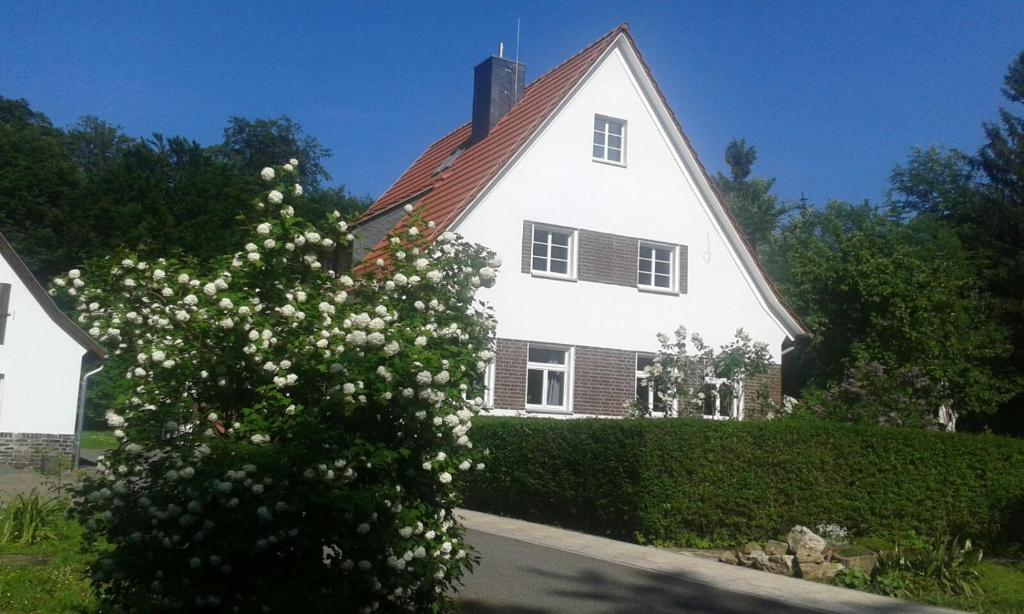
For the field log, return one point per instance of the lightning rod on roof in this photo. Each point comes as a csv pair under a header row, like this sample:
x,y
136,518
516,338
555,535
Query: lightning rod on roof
x,y
501,50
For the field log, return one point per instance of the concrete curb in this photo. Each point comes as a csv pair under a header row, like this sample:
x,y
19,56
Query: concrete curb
x,y
791,591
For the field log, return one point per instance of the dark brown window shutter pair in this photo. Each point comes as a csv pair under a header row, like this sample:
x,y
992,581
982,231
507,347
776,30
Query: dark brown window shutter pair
x,y
5,304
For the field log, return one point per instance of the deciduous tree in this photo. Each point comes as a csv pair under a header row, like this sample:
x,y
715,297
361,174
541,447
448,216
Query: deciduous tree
x,y
758,212
900,295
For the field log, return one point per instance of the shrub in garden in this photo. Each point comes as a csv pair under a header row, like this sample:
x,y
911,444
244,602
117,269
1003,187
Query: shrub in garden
x,y
944,566
291,439
874,394
30,518
693,481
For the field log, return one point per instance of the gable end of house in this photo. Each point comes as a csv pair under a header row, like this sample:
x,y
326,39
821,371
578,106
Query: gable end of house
x,y
450,196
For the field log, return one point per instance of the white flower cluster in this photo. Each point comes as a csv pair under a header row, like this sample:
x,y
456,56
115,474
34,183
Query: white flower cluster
x,y
833,532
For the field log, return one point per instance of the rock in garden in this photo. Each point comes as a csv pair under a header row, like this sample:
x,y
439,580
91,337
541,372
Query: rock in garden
x,y
819,572
806,545
780,564
759,560
751,559
860,562
729,557
749,548
774,547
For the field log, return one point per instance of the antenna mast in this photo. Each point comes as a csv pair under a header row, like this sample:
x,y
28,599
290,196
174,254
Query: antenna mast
x,y
516,98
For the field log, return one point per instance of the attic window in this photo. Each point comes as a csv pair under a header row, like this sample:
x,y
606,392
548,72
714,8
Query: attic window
x,y
452,157
609,140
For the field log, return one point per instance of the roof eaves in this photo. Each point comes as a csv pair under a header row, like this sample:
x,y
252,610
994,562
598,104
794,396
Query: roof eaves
x,y
367,216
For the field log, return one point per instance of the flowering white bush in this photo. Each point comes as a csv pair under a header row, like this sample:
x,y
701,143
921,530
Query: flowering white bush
x,y
688,384
288,442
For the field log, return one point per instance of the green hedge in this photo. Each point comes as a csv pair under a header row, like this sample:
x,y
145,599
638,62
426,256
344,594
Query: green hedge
x,y
686,481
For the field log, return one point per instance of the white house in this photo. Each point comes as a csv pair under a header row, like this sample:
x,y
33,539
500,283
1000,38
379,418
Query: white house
x,y
41,359
610,230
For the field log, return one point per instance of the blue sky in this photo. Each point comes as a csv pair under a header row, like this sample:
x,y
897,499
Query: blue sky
x,y
831,93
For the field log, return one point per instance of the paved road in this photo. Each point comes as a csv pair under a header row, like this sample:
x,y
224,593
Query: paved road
x,y
516,577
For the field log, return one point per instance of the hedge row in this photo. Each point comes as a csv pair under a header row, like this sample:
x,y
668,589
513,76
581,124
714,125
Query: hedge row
x,y
689,481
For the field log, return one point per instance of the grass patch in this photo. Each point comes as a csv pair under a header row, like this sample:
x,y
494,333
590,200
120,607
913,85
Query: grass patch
x,y
1001,584
1002,590
98,440
58,586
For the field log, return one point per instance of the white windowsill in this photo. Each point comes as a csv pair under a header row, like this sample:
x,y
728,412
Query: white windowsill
x,y
609,162
540,409
657,290
546,275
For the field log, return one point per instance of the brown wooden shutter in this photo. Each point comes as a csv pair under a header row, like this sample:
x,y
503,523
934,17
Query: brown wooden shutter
x,y
683,268
527,245
5,303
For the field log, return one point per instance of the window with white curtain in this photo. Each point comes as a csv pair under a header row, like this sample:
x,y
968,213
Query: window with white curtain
x,y
547,378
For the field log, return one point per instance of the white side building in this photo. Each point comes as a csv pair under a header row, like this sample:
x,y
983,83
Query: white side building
x,y
41,359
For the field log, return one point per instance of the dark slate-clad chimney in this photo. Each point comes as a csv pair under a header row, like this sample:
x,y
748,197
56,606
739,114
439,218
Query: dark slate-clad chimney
x,y
497,86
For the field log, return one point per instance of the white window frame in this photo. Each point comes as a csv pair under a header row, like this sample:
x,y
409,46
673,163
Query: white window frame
x,y
488,393
651,392
570,268
673,273
489,386
735,412
640,375
567,379
604,146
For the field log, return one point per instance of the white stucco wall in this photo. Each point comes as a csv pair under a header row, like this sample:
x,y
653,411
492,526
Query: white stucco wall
x,y
556,181
41,366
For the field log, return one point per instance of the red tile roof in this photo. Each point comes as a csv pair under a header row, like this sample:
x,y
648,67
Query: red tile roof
x,y
420,176
444,196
